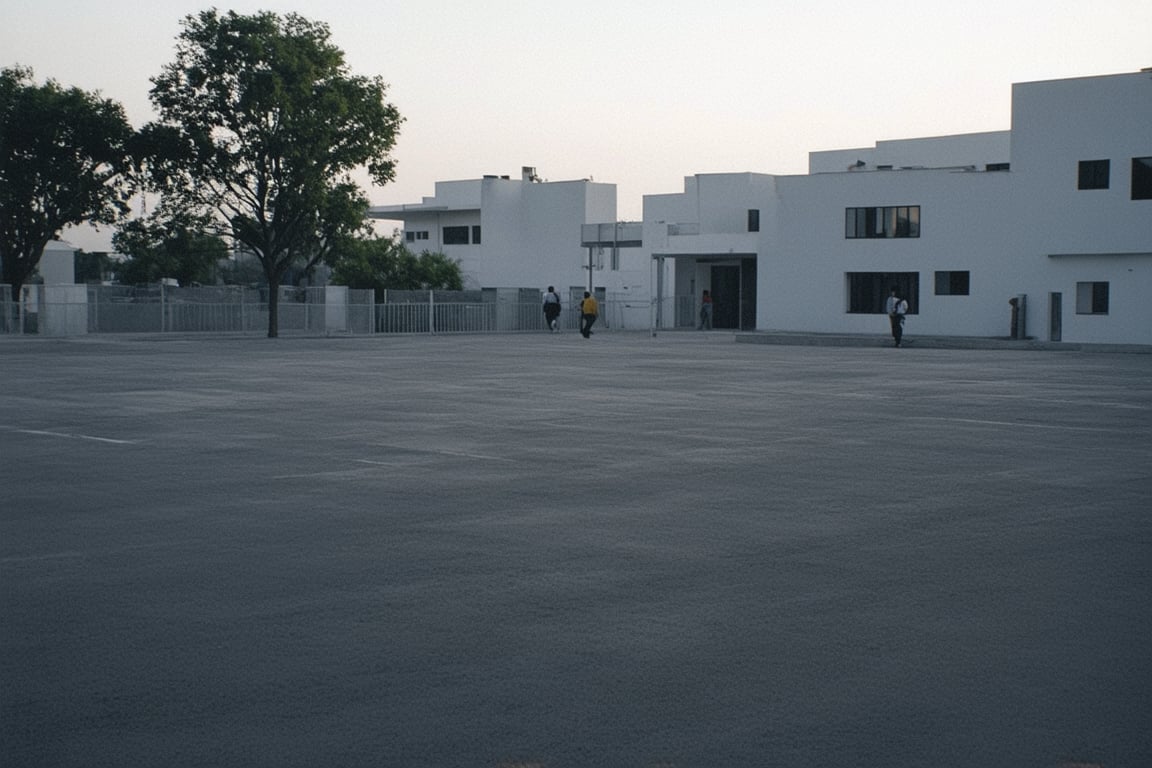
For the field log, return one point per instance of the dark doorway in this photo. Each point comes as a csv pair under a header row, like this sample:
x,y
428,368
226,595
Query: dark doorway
x,y
1055,316
725,297
748,294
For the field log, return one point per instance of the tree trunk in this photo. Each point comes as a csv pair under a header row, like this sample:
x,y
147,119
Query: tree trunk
x,y
273,310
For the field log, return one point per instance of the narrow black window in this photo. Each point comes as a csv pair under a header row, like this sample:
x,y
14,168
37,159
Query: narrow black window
x,y
753,220
455,235
1093,174
1091,298
1142,178
953,283
475,234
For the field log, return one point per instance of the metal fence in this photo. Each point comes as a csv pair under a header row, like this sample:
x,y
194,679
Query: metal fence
x,y
103,309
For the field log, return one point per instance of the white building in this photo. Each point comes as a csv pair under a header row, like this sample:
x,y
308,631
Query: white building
x,y
1057,211
517,232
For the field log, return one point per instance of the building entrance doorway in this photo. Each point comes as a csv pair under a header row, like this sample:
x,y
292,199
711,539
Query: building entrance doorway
x,y
725,282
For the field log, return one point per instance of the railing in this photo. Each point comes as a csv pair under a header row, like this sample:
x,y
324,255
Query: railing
x,y
76,310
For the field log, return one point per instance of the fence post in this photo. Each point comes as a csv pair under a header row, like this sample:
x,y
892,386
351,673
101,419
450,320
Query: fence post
x,y
431,312
162,312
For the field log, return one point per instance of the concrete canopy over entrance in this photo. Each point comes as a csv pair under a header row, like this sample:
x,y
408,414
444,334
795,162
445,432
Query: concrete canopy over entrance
x,y
729,277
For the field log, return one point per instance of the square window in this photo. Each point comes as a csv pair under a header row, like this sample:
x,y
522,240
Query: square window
x,y
1093,174
1091,298
952,283
1142,178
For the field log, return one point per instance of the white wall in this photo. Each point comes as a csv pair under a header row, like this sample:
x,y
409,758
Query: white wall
x,y
58,264
1073,235
802,268
530,231
977,149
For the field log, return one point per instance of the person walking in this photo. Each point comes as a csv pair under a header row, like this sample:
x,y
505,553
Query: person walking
x,y
706,311
589,310
551,308
897,308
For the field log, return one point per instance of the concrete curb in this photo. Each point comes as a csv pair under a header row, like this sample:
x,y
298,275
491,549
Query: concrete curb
x,y
790,338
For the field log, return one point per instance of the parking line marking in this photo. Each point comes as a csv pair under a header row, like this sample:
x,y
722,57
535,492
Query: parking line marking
x,y
72,436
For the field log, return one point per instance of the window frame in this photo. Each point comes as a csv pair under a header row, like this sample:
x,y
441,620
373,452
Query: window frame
x,y
867,292
882,222
955,282
1092,297
455,235
1093,174
1142,178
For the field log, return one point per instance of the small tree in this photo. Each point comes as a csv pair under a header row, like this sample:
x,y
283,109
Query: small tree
x,y
261,125
176,247
64,160
384,263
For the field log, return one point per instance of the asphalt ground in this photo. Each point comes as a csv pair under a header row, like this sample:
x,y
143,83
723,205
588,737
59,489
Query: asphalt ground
x,y
537,550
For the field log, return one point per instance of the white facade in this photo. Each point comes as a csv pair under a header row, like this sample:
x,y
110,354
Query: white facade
x,y
514,232
993,216
1055,213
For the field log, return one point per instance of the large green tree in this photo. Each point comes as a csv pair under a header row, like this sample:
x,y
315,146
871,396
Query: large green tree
x,y
384,263
65,158
262,124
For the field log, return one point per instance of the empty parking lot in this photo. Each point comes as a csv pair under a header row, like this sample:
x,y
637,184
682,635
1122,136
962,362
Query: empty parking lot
x,y
540,550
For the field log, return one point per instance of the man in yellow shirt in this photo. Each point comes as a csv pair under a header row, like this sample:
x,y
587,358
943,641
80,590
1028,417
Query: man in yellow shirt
x,y
589,309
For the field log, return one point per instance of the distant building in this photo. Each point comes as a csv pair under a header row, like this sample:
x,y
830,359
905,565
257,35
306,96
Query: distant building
x,y
515,233
58,263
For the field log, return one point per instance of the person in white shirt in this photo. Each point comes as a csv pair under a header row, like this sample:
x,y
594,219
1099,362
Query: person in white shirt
x,y
896,308
551,308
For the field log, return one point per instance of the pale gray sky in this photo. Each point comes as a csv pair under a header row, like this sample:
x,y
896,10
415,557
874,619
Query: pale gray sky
x,y
639,94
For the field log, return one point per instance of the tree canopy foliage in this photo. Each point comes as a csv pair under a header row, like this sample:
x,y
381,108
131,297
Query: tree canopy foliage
x,y
65,158
384,263
176,248
261,125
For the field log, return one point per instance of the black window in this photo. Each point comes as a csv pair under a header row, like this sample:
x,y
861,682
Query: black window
x,y
1091,298
952,283
475,234
1142,178
890,221
868,291
410,236
753,220
455,235
1093,174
